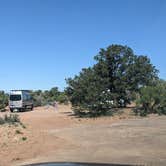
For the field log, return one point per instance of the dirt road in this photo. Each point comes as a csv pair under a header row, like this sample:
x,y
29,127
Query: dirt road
x,y
56,136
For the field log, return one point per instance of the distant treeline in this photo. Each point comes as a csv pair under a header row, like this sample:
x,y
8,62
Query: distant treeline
x,y
42,98
118,78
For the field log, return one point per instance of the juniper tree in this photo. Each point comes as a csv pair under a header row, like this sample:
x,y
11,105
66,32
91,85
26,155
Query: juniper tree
x,y
117,74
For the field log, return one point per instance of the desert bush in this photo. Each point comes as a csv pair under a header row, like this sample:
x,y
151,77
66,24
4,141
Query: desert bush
x,y
18,132
3,100
62,98
10,119
41,98
152,99
24,138
2,121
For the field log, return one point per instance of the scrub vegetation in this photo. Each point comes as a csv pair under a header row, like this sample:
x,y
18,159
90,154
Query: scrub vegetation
x,y
152,99
10,119
42,98
118,78
3,101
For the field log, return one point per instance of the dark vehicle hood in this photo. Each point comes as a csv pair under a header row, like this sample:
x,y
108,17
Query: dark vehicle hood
x,y
77,164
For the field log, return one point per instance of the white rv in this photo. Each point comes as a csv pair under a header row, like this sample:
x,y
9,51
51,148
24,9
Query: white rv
x,y
20,100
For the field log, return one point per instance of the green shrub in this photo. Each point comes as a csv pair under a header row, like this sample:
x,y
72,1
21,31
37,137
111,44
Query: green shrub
x,y
18,132
62,98
152,99
23,126
24,138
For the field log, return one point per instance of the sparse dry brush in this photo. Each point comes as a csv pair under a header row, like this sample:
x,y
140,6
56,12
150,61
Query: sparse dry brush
x,y
46,97
3,100
11,119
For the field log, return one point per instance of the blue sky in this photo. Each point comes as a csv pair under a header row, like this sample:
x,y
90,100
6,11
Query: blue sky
x,y
42,42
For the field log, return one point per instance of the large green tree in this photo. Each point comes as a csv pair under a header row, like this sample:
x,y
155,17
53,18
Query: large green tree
x,y
117,74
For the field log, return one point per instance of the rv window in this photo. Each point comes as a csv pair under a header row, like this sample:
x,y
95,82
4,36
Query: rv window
x,y
15,97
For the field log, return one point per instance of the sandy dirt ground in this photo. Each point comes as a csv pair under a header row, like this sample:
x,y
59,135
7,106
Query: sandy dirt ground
x,y
54,136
